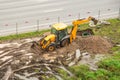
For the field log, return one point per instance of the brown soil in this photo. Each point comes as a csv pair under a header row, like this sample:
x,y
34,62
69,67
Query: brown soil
x,y
94,44
91,44
17,56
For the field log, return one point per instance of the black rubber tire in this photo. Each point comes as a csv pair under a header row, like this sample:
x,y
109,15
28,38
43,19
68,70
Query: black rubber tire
x,y
51,47
87,32
64,42
90,31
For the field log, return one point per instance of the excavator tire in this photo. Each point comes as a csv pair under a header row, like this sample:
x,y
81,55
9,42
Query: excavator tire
x,y
64,42
87,32
51,47
35,48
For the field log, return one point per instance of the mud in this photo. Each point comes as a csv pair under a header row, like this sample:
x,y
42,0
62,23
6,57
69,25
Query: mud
x,y
18,61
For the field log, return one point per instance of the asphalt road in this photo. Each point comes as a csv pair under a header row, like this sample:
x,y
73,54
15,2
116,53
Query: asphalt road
x,y
26,15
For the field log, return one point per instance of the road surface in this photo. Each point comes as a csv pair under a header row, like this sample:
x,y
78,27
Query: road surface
x,y
29,15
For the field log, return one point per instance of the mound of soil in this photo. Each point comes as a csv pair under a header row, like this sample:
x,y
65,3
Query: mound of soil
x,y
93,44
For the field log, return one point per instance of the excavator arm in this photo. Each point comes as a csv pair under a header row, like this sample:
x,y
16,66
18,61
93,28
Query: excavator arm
x,y
78,22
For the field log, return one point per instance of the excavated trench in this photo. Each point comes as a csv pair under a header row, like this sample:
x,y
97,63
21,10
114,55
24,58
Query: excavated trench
x,y
19,62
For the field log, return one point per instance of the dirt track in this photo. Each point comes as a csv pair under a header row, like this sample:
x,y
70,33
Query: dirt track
x,y
17,61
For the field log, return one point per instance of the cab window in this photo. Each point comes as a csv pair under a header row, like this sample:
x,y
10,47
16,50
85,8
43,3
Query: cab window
x,y
62,33
53,31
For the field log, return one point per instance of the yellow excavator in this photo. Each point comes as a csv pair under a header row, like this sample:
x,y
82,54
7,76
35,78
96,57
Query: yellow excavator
x,y
59,35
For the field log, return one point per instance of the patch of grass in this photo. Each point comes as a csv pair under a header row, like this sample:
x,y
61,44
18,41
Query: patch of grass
x,y
48,77
116,48
79,70
51,78
63,73
112,31
23,35
112,63
108,69
82,72
100,74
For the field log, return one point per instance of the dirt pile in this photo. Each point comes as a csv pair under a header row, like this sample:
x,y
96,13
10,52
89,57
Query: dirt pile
x,y
90,44
93,44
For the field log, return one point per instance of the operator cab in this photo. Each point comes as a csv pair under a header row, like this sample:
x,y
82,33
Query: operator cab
x,y
60,30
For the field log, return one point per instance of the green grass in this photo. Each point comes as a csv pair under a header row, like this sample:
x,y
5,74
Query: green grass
x,y
23,35
112,64
108,69
112,31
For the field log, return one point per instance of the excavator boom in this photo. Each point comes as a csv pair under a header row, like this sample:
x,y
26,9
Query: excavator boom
x,y
78,22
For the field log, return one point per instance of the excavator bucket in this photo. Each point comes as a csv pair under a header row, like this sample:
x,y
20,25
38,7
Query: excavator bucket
x,y
93,23
35,48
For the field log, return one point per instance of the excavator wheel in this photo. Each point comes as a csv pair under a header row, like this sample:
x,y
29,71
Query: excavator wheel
x,y
64,42
51,47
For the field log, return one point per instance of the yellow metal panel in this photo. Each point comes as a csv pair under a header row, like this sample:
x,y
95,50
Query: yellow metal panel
x,y
59,26
51,37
